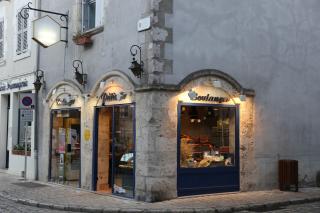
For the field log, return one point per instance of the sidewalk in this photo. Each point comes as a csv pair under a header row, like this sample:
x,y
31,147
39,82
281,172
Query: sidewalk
x,y
58,197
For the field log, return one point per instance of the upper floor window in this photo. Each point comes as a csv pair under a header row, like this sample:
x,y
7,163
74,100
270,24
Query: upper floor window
x,y
1,39
22,34
92,13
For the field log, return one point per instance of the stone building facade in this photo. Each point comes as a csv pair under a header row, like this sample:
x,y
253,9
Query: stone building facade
x,y
227,91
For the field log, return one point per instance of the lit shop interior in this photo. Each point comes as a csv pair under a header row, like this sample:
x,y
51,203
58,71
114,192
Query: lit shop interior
x,y
65,147
207,136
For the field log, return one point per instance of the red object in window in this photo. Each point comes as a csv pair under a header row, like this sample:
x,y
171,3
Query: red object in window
x,y
224,149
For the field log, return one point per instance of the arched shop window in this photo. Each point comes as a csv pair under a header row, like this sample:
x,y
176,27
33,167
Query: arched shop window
x,y
207,136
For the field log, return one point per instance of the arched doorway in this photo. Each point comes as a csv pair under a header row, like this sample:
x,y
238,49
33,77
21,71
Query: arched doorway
x,y
65,103
114,137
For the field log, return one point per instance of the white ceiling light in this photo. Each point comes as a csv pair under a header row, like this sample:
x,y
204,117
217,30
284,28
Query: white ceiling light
x,y
46,31
216,83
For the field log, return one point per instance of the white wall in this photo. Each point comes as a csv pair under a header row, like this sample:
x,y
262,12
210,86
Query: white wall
x,y
15,68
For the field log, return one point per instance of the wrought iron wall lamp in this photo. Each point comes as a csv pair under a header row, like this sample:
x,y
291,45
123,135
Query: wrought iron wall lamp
x,y
136,67
39,80
80,76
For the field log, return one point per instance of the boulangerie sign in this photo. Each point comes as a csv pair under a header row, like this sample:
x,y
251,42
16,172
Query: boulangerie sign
x,y
195,97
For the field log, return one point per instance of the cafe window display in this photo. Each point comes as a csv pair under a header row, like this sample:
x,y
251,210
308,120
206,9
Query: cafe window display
x,y
65,147
207,136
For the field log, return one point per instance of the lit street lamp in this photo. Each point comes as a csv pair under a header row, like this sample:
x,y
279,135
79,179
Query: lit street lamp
x,y
46,31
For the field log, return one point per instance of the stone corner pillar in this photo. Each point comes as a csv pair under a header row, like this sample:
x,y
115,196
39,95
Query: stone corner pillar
x,y
156,148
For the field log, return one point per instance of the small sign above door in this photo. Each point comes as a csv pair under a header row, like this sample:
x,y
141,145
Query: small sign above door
x,y
112,96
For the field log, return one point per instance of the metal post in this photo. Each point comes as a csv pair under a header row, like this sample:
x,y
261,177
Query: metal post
x,y
36,141
25,150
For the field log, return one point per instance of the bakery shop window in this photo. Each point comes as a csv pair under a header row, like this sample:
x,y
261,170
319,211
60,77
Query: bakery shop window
x,y
207,136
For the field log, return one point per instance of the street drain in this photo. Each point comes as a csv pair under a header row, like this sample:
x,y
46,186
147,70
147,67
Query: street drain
x,y
29,184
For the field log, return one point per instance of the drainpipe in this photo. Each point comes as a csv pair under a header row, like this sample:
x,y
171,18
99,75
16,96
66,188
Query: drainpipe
x,y
36,138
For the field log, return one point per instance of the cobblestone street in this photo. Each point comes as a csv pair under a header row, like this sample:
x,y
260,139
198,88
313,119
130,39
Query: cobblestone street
x,y
15,193
13,207
302,208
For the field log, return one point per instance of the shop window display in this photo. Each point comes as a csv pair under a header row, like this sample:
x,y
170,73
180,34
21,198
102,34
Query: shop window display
x,y
123,151
207,136
65,147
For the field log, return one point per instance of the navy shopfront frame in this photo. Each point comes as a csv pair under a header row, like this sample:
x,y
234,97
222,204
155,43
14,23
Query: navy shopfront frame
x,y
95,145
193,181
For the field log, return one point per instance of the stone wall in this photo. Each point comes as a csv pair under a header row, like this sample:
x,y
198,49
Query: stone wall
x,y
156,147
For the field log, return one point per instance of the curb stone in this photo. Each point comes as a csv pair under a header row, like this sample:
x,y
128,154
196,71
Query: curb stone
x,y
111,210
250,207
91,209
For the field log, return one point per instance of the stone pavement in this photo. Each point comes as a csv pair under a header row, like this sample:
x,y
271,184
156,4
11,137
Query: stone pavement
x,y
298,208
7,206
51,196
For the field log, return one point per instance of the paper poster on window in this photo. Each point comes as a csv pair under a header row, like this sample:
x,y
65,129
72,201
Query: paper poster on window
x,y
68,136
62,140
73,136
61,167
28,134
54,141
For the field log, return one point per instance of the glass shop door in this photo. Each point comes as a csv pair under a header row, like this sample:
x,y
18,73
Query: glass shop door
x,y
114,150
65,160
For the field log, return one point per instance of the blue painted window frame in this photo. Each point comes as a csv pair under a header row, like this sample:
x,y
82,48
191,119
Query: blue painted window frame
x,y
216,170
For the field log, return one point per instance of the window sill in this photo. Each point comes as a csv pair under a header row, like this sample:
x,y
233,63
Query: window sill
x,y
22,56
20,152
93,31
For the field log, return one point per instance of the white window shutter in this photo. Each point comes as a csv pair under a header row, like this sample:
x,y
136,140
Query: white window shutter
x,y
25,41
25,32
22,33
19,34
1,39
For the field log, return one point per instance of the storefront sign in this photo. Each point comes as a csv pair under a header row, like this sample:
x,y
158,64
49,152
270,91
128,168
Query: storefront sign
x,y
13,85
65,100
195,97
108,97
